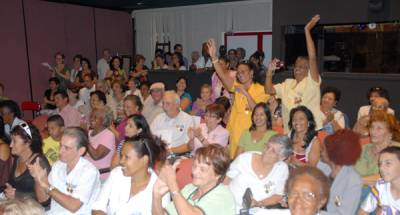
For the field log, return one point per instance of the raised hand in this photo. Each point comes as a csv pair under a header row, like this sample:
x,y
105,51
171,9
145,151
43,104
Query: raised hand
x,y
272,66
38,173
311,24
9,191
212,48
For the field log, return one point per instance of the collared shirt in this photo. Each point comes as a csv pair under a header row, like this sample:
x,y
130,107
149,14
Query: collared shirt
x,y
151,110
115,198
8,128
218,136
71,116
82,182
243,176
102,68
174,131
84,94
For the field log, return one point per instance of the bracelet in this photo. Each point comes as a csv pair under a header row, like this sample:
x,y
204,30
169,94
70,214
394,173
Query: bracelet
x,y
50,188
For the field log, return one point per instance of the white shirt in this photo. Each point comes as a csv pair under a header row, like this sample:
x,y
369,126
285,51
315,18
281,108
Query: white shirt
x,y
174,131
200,63
83,179
114,197
337,116
102,68
84,94
151,110
386,201
218,136
364,110
243,176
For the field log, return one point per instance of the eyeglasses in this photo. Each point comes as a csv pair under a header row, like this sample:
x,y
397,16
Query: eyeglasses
x,y
26,129
211,116
307,196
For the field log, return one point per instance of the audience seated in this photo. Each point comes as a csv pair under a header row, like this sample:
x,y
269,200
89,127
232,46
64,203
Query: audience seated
x,y
210,132
306,146
73,96
159,63
103,64
86,70
76,67
51,145
275,108
224,101
132,89
89,86
70,115
373,93
144,91
177,62
11,115
195,55
332,118
132,105
153,106
205,61
129,188
116,73
260,131
206,194
199,106
48,99
185,97
60,70
117,101
178,48
264,173
140,70
73,183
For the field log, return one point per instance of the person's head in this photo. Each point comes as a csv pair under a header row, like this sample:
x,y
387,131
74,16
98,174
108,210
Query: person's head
x,y
257,58
115,63
171,103
61,98
308,190
205,92
278,148
24,139
102,86
132,105
116,87
204,50
214,115
240,53
139,153
379,103
301,68
224,101
336,147
106,54
224,60
383,127
261,116
222,50
232,53
389,164
177,60
21,206
330,96
98,99
100,119
9,111
181,83
132,85
178,48
55,126
195,56
54,83
376,92
73,92
139,60
86,65
88,81
73,145
157,91
245,73
76,61
210,164
158,52
59,57
160,60
144,89
301,120
137,125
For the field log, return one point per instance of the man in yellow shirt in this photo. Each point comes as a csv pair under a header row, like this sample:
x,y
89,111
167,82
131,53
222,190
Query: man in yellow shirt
x,y
51,145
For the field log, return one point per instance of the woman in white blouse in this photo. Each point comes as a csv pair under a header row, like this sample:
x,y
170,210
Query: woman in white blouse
x,y
128,190
264,173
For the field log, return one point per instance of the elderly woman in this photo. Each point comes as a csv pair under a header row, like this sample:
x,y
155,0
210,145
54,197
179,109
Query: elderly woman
x,y
98,100
211,131
246,95
265,173
333,119
26,146
102,142
384,131
373,93
129,188
199,106
206,194
255,138
345,191
306,147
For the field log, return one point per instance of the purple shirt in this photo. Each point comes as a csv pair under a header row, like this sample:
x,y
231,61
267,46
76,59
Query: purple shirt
x,y
197,111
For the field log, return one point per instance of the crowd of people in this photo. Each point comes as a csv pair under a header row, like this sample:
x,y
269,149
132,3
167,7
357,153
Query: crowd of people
x,y
117,143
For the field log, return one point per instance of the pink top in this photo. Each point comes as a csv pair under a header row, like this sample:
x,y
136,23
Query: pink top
x,y
217,136
121,129
71,116
107,139
217,86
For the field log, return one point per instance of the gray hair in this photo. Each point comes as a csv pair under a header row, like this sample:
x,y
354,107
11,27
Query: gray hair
x,y
106,114
285,142
174,95
79,134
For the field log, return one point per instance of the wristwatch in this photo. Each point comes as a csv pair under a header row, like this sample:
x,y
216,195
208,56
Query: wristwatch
x,y
50,188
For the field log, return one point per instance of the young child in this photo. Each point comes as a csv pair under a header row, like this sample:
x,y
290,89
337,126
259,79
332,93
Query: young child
x,y
385,195
199,106
51,145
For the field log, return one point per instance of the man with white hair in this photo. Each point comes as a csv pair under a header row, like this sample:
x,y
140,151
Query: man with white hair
x,y
153,105
172,125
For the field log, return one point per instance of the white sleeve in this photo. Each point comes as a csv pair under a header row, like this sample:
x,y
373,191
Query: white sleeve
x,y
234,169
281,181
104,195
339,117
370,203
88,185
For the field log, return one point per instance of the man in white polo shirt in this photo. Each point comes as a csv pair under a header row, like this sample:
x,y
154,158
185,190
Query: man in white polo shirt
x,y
172,125
73,183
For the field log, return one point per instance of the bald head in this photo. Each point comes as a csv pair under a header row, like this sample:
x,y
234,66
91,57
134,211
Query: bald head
x,y
171,103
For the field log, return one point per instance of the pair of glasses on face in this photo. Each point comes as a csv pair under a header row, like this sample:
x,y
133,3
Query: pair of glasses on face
x,y
26,129
307,196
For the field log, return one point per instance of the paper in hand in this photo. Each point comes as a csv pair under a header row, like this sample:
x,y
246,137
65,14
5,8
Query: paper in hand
x,y
45,64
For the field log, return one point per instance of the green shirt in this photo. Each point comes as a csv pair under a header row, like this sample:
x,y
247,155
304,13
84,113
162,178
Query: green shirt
x,y
217,201
51,149
247,144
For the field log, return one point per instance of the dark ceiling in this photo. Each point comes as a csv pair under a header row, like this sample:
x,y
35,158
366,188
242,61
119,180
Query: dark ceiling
x,y
129,5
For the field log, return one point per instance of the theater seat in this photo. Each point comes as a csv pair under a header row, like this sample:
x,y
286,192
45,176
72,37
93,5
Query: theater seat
x,y
184,172
30,106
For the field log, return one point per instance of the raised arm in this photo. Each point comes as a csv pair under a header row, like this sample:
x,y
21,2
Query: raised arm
x,y
312,55
219,69
268,85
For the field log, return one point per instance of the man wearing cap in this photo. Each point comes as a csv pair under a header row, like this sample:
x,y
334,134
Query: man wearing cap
x,y
153,105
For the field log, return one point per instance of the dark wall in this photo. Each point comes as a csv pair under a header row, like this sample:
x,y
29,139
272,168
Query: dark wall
x,y
52,27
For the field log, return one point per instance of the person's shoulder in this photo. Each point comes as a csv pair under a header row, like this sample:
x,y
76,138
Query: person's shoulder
x,y
87,166
352,176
